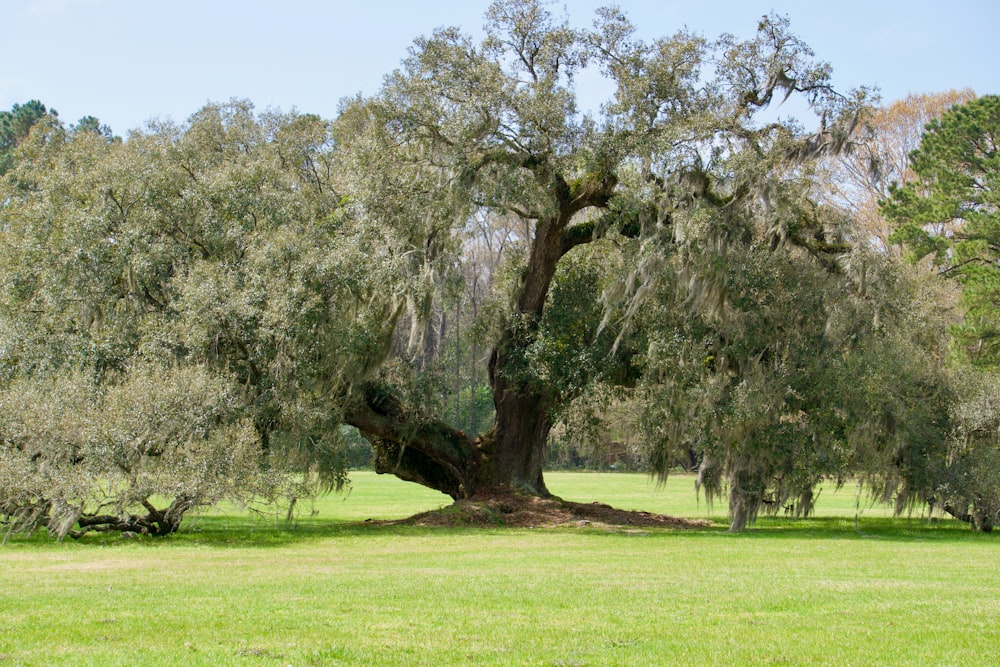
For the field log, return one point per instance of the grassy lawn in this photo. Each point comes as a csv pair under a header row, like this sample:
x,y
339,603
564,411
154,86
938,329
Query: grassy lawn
x,y
233,589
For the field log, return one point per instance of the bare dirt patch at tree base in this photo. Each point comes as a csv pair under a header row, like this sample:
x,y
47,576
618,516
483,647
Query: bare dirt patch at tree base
x,y
515,511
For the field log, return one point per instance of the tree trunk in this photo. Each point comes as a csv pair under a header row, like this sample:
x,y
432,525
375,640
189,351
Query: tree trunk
x,y
517,441
746,494
980,521
414,448
508,458
157,522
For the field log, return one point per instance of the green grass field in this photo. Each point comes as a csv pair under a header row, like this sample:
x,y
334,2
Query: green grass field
x,y
236,589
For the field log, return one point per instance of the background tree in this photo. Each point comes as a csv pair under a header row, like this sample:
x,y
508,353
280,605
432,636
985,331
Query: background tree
x,y
948,216
209,258
92,124
858,180
15,125
950,213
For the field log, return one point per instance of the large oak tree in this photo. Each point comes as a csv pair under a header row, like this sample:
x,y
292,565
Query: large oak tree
x,y
679,160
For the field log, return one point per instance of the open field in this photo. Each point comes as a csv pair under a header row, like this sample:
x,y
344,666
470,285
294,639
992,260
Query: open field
x,y
233,589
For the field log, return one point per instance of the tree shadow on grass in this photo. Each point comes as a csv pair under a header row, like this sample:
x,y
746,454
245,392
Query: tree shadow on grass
x,y
885,528
227,531
255,532
251,532
899,529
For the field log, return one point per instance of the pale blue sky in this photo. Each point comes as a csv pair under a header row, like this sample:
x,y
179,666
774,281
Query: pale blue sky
x,y
126,61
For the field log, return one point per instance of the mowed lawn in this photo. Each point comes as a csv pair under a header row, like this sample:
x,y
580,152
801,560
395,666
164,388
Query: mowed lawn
x,y
238,589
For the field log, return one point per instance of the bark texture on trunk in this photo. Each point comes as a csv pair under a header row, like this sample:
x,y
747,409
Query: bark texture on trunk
x,y
517,441
416,449
507,458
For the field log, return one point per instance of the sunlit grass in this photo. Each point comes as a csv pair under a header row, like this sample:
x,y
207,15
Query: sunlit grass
x,y
236,589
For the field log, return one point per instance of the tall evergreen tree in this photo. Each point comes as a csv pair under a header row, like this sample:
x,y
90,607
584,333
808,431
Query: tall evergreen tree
x,y
950,216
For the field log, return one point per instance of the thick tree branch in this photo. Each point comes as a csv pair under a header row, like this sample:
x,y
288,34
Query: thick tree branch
x,y
596,228
414,448
592,190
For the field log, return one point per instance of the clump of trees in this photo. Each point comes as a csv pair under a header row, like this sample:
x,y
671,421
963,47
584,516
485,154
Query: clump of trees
x,y
464,262
175,310
14,127
947,216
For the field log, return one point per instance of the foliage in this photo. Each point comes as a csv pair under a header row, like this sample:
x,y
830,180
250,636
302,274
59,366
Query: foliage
x,y
969,480
92,124
949,213
78,456
947,217
14,127
215,248
17,123
859,179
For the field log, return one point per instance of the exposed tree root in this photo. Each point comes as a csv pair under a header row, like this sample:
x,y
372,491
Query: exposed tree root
x,y
518,511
